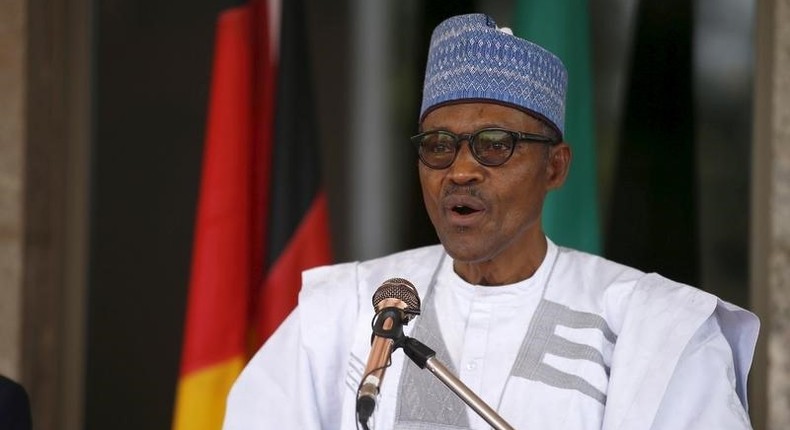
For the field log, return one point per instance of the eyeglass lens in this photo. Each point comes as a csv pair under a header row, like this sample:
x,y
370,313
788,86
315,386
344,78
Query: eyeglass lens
x,y
438,149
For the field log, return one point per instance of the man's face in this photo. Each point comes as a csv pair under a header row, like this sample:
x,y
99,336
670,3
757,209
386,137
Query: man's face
x,y
480,213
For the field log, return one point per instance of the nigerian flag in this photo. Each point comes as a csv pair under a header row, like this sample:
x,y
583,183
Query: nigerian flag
x,y
570,215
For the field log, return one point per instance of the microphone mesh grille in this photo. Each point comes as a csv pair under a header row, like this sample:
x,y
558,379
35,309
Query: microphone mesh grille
x,y
401,289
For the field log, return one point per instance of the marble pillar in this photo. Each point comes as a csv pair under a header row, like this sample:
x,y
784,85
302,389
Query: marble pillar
x,y
771,216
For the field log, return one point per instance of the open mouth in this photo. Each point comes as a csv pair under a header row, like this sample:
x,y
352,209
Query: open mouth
x,y
464,210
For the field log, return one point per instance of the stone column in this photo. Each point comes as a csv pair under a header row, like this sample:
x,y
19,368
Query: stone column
x,y
44,153
13,29
770,268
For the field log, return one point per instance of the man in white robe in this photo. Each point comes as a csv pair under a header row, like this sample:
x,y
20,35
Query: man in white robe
x,y
549,337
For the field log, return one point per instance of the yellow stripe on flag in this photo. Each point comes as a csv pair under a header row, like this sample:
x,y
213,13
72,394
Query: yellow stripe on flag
x,y
200,401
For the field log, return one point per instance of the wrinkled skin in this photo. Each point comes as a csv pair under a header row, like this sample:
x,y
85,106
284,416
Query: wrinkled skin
x,y
489,218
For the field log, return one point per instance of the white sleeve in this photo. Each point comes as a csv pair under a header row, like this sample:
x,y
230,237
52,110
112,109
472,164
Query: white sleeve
x,y
702,391
268,394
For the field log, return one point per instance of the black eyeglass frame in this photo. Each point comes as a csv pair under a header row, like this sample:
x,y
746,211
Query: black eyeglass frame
x,y
518,136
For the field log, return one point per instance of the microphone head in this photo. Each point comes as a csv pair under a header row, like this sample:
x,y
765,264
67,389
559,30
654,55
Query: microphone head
x,y
400,293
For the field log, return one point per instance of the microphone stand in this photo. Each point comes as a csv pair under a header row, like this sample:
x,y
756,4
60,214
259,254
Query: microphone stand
x,y
424,357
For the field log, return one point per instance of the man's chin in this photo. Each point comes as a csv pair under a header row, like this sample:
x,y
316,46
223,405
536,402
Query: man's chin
x,y
469,253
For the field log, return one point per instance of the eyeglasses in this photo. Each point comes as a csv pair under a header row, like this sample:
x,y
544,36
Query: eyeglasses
x,y
490,146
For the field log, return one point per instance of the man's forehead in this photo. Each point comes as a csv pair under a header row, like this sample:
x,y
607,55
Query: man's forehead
x,y
478,114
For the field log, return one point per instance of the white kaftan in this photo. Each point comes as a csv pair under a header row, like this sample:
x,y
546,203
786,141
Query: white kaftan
x,y
584,343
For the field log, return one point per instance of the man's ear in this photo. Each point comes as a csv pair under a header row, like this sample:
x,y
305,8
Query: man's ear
x,y
557,165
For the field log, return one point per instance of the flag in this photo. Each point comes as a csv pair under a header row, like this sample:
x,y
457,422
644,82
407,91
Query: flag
x,y
570,214
255,229
298,232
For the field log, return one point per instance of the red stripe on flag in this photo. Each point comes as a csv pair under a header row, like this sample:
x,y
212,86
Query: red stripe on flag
x,y
308,247
221,259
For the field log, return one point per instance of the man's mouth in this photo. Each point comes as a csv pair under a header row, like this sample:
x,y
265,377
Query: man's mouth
x,y
464,210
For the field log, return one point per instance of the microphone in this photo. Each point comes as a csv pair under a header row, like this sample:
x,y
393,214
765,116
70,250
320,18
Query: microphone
x,y
396,302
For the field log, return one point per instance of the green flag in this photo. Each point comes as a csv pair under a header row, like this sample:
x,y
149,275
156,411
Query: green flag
x,y
570,215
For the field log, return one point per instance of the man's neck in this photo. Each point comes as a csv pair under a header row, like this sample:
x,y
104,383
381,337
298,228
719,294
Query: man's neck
x,y
504,269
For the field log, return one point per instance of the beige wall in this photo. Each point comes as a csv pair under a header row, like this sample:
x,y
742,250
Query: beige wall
x,y
12,142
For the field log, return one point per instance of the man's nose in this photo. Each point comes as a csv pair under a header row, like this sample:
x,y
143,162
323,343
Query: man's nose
x,y
465,169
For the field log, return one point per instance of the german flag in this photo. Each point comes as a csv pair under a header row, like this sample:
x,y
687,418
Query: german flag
x,y
262,217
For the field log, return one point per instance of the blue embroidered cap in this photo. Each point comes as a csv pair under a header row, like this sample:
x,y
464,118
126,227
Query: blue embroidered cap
x,y
470,58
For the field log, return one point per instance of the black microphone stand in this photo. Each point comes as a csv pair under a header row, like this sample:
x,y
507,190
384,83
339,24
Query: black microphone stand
x,y
424,357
